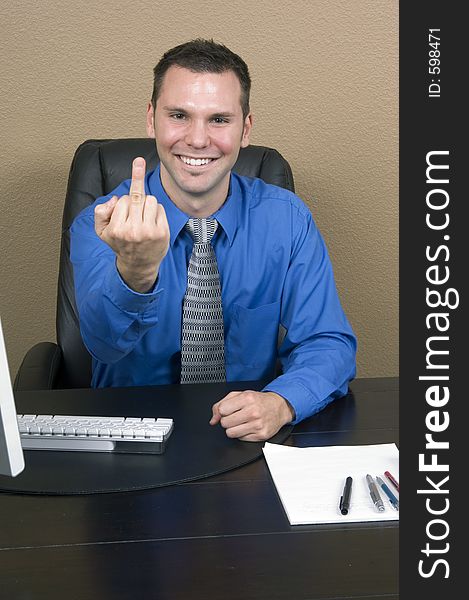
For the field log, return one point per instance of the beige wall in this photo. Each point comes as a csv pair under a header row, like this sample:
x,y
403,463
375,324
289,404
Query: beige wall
x,y
325,93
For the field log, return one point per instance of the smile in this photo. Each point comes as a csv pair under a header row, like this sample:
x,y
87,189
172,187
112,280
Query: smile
x,y
195,162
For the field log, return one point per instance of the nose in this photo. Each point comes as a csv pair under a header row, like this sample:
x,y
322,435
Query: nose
x,y
197,134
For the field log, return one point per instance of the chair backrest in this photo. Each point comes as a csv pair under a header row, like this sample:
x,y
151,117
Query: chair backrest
x,y
97,168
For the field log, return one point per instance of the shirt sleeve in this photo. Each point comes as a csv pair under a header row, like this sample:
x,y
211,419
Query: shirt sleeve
x,y
319,348
113,317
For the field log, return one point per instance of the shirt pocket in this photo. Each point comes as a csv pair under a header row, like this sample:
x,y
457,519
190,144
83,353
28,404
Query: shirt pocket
x,y
252,339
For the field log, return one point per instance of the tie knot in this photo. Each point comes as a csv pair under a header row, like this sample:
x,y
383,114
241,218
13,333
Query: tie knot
x,y
202,230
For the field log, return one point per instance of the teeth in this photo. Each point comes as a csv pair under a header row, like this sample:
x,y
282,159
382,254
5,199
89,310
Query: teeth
x,y
195,162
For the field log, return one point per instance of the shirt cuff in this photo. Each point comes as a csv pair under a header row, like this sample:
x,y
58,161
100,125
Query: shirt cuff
x,y
125,298
295,393
304,403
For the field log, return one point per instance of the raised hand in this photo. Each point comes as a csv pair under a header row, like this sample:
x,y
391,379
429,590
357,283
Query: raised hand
x,y
136,228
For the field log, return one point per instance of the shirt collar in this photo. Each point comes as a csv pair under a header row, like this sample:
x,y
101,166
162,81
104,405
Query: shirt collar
x,y
176,218
227,215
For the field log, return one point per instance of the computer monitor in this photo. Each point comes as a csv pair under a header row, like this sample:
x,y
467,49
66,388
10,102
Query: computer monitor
x,y
11,452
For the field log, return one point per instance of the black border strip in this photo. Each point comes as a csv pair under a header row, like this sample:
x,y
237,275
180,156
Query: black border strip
x,y
432,120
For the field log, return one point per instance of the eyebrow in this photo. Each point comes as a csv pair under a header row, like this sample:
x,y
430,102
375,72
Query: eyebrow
x,y
183,110
224,114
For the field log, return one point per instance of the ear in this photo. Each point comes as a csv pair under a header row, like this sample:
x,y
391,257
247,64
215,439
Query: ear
x,y
246,130
150,121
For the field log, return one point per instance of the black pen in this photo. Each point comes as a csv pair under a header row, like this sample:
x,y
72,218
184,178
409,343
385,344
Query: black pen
x,y
344,504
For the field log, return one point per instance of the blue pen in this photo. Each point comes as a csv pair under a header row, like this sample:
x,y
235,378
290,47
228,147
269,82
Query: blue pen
x,y
392,498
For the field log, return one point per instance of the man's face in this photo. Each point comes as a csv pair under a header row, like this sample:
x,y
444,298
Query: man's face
x,y
199,129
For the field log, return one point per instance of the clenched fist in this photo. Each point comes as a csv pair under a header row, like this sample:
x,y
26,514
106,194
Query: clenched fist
x,y
136,228
252,416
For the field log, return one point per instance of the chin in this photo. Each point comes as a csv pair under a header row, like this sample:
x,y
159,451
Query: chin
x,y
196,190
197,184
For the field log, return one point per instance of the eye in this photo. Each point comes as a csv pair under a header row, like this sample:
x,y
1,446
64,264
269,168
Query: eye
x,y
220,120
178,116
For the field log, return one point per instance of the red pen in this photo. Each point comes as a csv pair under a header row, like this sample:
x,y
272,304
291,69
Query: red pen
x,y
392,480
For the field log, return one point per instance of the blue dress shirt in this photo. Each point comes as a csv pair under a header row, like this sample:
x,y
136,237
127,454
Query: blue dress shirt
x,y
274,270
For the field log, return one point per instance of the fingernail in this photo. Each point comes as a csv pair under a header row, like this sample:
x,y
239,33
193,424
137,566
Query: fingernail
x,y
138,162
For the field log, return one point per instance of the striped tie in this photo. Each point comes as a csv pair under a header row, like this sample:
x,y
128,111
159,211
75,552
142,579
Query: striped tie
x,y
203,350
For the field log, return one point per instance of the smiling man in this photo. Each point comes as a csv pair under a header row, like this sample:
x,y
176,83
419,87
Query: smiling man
x,y
185,274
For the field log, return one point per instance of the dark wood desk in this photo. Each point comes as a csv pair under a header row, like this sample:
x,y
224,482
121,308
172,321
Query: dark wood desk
x,y
225,537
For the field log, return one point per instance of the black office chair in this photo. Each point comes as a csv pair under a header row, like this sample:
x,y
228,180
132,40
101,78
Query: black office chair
x,y
97,168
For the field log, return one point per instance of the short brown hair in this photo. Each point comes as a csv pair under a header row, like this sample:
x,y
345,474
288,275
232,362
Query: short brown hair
x,y
203,56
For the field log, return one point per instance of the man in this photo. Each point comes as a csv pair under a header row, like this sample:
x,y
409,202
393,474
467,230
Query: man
x,y
131,251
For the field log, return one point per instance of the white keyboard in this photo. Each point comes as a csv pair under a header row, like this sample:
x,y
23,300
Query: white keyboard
x,y
94,434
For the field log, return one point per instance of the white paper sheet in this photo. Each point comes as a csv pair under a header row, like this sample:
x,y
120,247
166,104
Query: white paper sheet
x,y
310,481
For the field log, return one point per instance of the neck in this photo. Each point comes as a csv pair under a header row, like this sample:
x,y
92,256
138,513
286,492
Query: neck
x,y
196,209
